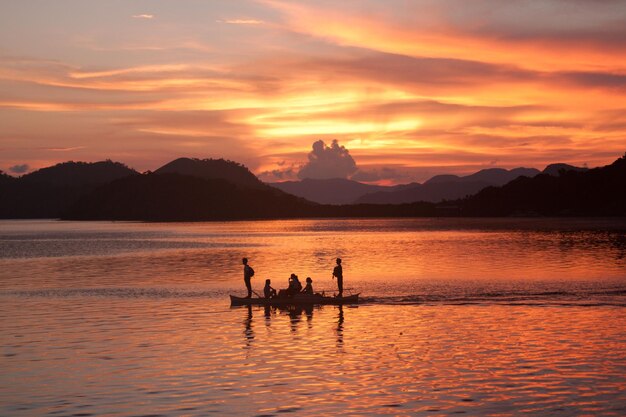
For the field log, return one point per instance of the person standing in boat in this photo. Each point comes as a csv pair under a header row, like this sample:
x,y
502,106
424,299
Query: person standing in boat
x,y
338,273
248,273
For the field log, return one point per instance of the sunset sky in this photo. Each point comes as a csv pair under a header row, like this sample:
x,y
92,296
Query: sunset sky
x,y
410,88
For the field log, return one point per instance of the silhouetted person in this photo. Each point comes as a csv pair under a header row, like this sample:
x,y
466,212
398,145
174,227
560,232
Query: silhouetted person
x,y
294,285
268,291
248,273
308,289
338,273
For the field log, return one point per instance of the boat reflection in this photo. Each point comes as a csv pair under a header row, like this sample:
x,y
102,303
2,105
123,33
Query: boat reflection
x,y
294,313
339,330
248,329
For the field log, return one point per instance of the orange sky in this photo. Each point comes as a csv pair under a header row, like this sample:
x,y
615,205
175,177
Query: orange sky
x,y
411,89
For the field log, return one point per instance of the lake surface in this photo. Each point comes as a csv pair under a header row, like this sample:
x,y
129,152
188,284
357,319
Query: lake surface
x,y
460,316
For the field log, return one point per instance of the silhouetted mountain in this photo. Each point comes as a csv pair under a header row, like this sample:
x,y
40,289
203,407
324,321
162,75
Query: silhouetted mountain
x,y
5,179
594,192
556,169
447,187
428,192
440,187
47,192
79,173
443,178
82,191
492,176
174,197
212,169
168,197
328,191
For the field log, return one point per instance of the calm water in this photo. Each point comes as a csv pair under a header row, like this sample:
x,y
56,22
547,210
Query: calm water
x,y
460,316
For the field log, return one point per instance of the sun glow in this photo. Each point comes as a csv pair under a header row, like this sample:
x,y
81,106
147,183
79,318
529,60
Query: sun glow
x,y
328,127
404,84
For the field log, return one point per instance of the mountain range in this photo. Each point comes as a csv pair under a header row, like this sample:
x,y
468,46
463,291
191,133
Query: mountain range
x,y
436,189
58,190
595,192
215,189
328,191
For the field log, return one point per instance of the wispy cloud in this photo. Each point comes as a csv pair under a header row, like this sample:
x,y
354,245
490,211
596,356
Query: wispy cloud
x,y
66,149
241,21
143,16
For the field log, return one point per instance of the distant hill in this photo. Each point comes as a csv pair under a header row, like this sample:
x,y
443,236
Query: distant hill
x,y
210,169
79,173
447,187
594,192
47,192
440,187
328,191
556,169
493,176
433,193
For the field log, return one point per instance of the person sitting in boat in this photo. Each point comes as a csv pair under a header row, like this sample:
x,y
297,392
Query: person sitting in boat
x,y
308,289
268,290
294,285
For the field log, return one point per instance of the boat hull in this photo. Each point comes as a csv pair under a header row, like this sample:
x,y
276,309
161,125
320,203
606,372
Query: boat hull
x,y
297,300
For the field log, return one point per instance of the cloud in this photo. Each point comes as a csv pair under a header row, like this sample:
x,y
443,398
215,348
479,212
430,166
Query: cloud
x,y
65,149
143,16
19,169
593,79
282,173
490,31
242,21
326,162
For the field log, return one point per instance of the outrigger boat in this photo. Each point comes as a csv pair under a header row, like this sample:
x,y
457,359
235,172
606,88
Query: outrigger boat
x,y
295,300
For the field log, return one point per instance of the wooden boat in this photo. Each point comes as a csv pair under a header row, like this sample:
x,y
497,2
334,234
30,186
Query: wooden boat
x,y
296,300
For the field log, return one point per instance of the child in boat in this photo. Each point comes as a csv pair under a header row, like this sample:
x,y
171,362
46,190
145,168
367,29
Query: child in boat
x,y
308,289
268,290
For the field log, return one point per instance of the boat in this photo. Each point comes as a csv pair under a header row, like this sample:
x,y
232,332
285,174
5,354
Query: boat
x,y
296,300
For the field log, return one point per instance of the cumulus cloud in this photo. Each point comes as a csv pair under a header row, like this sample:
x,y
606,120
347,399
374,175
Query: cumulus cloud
x,y
19,169
326,162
